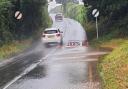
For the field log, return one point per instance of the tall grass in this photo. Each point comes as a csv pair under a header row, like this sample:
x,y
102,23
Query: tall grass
x,y
113,68
13,48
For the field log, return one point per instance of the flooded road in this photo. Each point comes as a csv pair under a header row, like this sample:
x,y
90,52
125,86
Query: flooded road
x,y
16,65
64,68
62,72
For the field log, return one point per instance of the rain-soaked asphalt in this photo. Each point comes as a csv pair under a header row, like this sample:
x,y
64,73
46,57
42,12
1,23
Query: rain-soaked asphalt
x,y
62,72
16,65
64,68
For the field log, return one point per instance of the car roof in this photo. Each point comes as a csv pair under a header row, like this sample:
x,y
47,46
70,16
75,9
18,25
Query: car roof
x,y
50,29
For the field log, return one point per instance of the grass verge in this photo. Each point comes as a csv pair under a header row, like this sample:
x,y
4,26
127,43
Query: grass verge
x,y
107,43
13,48
113,68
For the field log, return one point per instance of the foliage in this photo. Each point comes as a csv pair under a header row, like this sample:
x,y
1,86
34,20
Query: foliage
x,y
10,49
115,30
57,9
108,7
113,24
107,43
77,12
5,21
35,19
113,68
67,1
112,20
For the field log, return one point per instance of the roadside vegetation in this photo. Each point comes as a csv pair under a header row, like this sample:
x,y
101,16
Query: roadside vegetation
x,y
14,32
76,12
13,48
113,32
113,68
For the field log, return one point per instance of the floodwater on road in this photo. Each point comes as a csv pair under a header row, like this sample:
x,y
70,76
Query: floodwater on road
x,y
62,72
65,68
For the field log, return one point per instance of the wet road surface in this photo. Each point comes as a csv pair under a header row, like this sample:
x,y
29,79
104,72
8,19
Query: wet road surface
x,y
16,65
65,68
62,72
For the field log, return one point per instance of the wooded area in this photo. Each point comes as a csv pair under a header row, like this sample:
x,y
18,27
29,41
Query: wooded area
x,y
35,18
113,17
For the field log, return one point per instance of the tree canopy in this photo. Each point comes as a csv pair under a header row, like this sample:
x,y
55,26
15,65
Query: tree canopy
x,y
35,18
113,16
109,7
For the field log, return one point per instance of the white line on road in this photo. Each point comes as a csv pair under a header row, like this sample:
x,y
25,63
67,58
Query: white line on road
x,y
27,70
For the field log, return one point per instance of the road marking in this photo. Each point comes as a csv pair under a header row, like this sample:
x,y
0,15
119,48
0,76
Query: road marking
x,y
27,70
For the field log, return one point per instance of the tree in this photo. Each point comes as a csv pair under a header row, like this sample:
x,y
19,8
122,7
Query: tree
x,y
35,18
107,7
6,23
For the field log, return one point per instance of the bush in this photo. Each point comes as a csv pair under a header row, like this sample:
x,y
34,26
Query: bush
x,y
6,24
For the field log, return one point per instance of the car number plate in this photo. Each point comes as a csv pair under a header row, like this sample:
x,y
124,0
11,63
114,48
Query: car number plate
x,y
50,36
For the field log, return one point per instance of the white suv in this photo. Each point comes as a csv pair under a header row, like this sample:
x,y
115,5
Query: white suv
x,y
52,36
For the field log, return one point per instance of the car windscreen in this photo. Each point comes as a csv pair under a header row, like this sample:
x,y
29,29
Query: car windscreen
x,y
58,16
50,31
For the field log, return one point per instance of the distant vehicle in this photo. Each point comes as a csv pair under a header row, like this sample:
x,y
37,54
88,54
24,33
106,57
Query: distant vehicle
x,y
52,36
59,17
